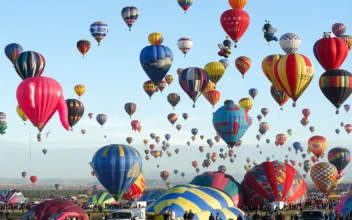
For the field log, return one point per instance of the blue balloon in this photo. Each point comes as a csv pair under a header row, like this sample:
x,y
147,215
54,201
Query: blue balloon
x,y
117,166
167,137
12,51
253,93
231,122
297,146
156,60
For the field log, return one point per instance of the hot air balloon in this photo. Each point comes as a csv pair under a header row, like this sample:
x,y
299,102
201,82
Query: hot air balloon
x,y
75,111
273,181
173,99
281,139
156,60
157,139
24,174
323,175
136,189
259,117
230,122
90,115
290,43
294,72
20,113
33,179
243,64
164,175
178,127
102,119
83,131
169,79
185,4
39,98
317,145
306,112
83,46
246,103
296,146
130,108
269,32
330,52
213,96
264,111
339,157
185,116
161,86
338,29
193,81
172,117
29,64
347,107
135,124
3,128
304,121
98,30
130,15
184,44
215,71
149,88
237,26
348,40
335,86
117,167
264,127
12,51
80,90
268,67
312,129
348,128
279,96
225,48
253,93
129,140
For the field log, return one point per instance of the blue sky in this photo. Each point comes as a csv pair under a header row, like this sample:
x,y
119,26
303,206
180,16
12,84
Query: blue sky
x,y
113,76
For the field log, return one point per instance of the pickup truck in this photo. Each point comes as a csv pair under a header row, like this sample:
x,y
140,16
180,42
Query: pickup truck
x,y
128,214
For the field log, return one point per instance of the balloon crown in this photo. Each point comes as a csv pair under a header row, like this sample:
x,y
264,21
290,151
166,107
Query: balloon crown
x,y
229,102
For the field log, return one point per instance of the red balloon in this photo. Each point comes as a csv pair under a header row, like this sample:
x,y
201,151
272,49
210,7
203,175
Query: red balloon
x,y
39,97
330,52
33,179
235,22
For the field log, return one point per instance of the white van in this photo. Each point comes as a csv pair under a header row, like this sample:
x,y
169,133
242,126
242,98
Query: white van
x,y
128,214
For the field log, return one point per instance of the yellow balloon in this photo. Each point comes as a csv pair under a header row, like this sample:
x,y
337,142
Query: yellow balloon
x,y
80,90
294,73
21,113
156,38
246,103
211,86
268,65
215,71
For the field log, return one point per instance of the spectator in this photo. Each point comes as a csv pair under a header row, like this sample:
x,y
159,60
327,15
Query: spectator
x,y
248,216
173,215
332,215
7,214
190,215
185,216
217,216
211,217
256,216
166,215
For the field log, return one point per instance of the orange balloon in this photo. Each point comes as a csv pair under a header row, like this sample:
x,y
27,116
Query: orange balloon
x,y
213,96
317,145
238,4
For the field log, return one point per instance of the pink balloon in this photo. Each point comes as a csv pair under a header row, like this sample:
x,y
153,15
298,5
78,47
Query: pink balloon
x,y
40,97
135,124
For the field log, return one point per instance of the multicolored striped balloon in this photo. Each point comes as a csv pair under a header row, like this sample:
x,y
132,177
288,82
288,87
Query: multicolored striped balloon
x,y
243,64
99,30
338,29
29,64
340,157
130,15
